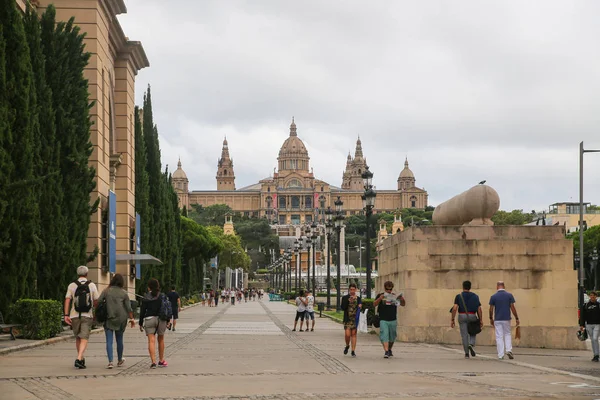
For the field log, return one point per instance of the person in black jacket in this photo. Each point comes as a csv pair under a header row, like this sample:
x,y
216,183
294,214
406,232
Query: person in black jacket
x,y
351,304
153,326
590,320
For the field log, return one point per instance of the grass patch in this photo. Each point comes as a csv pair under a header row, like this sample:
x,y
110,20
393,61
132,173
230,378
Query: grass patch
x,y
335,314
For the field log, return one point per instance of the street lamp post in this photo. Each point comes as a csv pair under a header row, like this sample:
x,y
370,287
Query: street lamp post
x,y
297,251
308,248
339,223
314,234
582,151
329,232
594,268
368,203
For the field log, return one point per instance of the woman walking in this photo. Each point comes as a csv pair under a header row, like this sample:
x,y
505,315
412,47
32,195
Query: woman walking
x,y
118,308
153,326
351,305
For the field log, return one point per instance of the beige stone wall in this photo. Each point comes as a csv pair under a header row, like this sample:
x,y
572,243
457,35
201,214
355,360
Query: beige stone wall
x,y
430,263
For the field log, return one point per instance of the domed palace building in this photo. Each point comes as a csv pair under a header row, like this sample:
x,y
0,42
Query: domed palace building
x,y
293,195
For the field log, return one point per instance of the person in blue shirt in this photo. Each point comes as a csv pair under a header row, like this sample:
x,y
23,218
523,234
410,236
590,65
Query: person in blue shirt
x,y
471,313
501,305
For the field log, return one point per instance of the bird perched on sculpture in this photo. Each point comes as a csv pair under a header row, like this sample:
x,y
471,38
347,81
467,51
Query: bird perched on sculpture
x,y
482,182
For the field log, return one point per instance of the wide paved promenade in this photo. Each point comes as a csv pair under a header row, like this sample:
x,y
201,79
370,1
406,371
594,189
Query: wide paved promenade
x,y
248,351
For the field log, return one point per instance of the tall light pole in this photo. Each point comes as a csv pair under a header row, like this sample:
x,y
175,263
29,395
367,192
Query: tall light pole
x,y
368,205
329,231
339,223
582,151
314,229
594,271
297,251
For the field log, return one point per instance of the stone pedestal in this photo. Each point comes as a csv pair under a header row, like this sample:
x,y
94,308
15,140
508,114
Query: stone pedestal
x,y
430,263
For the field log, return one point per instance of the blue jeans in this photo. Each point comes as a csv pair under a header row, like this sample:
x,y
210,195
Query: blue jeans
x,y
593,334
109,344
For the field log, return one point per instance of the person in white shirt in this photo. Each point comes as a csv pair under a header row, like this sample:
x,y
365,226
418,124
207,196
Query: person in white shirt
x,y
232,295
300,311
310,311
81,316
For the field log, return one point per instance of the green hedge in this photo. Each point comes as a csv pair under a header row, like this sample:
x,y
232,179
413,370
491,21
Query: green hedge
x,y
41,319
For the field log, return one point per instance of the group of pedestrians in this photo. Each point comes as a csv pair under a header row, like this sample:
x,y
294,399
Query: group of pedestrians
x,y
468,307
158,312
305,310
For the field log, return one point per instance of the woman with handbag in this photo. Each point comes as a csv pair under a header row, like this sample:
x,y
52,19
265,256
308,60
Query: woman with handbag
x,y
469,317
351,305
118,308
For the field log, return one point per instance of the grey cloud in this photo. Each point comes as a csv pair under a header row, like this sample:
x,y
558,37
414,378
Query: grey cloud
x,y
504,89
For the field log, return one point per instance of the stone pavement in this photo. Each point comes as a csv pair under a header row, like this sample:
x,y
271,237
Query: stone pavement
x,y
248,351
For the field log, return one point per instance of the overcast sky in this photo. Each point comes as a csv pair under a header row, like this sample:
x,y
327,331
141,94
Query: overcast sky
x,y
468,90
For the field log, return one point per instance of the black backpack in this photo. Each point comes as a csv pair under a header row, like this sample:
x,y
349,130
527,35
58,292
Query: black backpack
x,y
83,298
166,311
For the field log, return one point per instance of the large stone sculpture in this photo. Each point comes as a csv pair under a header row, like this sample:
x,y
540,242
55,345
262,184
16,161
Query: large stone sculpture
x,y
476,206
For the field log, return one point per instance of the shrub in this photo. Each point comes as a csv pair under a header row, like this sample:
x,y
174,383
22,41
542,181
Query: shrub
x,y
41,319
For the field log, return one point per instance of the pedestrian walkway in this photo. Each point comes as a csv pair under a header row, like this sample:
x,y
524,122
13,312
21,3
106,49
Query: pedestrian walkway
x,y
248,351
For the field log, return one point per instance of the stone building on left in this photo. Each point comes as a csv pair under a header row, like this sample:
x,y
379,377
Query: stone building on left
x,y
114,63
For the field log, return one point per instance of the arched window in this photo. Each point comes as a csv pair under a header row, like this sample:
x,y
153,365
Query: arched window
x,y
308,201
282,202
269,189
294,183
413,201
225,172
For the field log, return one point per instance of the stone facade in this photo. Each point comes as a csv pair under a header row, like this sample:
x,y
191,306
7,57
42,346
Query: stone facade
x,y
114,63
293,195
430,263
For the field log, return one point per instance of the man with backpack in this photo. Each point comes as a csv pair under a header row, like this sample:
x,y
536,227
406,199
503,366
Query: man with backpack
x,y
83,295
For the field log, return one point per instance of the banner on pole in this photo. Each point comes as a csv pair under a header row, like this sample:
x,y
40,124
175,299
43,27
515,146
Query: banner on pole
x,y
112,232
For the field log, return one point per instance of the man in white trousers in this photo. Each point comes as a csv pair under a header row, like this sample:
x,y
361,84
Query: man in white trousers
x,y
501,305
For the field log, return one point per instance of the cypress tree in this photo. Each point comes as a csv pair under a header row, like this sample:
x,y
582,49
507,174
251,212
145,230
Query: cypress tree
x,y
5,160
20,220
142,195
47,168
65,62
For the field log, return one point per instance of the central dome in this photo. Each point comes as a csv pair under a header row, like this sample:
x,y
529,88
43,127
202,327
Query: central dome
x,y
293,154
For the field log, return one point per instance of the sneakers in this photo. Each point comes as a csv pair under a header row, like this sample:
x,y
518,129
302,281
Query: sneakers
x,y
472,351
510,355
467,355
294,330
312,330
346,350
500,357
79,364
387,354
109,366
173,329
390,353
163,363
353,353
596,359
301,330
121,362
153,366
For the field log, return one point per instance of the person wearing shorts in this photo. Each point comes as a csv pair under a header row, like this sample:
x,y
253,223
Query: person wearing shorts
x,y
387,307
300,311
152,325
81,323
310,310
175,305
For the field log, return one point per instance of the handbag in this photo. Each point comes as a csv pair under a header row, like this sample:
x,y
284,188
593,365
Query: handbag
x,y
473,327
101,313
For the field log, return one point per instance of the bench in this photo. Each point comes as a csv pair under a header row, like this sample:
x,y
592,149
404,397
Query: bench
x,y
10,327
